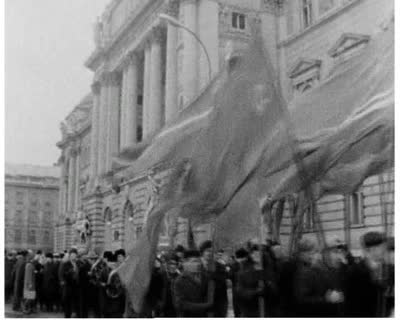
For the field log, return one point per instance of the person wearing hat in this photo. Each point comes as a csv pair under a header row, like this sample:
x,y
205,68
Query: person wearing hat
x,y
216,272
19,275
70,280
9,264
57,296
49,282
331,276
192,294
365,283
314,291
389,270
120,256
170,274
248,287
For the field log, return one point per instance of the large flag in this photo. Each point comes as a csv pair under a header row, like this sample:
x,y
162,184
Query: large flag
x,y
223,146
344,130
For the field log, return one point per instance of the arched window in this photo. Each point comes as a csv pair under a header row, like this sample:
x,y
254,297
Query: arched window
x,y
107,216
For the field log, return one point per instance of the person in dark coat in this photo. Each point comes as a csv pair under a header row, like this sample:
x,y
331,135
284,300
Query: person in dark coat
x,y
49,283
193,294
38,263
241,255
114,290
84,284
70,280
167,308
365,285
180,252
250,284
9,264
19,276
317,288
153,300
217,272
58,297
389,268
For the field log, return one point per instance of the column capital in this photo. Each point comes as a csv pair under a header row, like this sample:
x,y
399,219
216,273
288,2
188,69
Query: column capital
x,y
172,8
157,34
110,78
130,58
96,86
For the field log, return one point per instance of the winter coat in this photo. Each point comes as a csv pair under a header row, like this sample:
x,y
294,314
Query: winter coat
x,y
311,283
192,297
50,281
29,280
19,277
8,272
248,290
364,294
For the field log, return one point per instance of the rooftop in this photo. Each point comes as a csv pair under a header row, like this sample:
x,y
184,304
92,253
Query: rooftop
x,y
29,170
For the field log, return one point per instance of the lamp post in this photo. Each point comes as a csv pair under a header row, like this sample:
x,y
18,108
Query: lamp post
x,y
177,24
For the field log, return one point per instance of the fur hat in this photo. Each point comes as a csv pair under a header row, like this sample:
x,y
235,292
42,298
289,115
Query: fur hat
x,y
205,246
306,245
241,253
372,239
49,255
192,254
73,250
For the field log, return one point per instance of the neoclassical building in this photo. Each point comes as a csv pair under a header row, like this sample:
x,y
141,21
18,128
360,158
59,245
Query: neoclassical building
x,y
146,70
30,206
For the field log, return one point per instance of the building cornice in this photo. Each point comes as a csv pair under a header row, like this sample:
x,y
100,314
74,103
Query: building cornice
x,y
129,36
322,20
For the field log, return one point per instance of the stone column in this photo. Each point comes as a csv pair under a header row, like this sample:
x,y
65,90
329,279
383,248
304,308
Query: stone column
x,y
94,134
146,89
77,174
101,155
155,100
112,145
130,101
71,180
122,116
61,197
189,72
171,77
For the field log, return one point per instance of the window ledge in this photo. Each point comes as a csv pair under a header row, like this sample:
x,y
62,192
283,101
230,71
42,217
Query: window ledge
x,y
320,21
357,225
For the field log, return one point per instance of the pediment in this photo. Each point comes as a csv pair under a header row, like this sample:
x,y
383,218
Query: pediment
x,y
346,42
303,65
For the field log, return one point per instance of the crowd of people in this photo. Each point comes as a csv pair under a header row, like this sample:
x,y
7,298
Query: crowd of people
x,y
259,280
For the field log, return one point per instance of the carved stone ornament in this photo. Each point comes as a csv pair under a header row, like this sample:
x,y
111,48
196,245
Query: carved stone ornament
x,y
172,8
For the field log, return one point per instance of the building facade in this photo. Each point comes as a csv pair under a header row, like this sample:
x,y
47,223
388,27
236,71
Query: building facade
x,y
31,204
147,70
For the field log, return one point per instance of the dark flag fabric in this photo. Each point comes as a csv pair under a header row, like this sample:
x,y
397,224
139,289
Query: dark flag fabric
x,y
232,130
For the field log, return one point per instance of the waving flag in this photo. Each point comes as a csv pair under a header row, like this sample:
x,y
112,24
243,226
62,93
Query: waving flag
x,y
224,143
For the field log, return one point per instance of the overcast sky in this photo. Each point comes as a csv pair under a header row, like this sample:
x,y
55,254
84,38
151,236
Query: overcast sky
x,y
46,44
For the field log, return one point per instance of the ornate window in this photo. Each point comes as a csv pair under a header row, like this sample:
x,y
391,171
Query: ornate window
x,y
356,208
33,217
108,216
305,74
18,217
17,236
347,46
238,21
308,222
20,197
32,236
46,237
307,14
